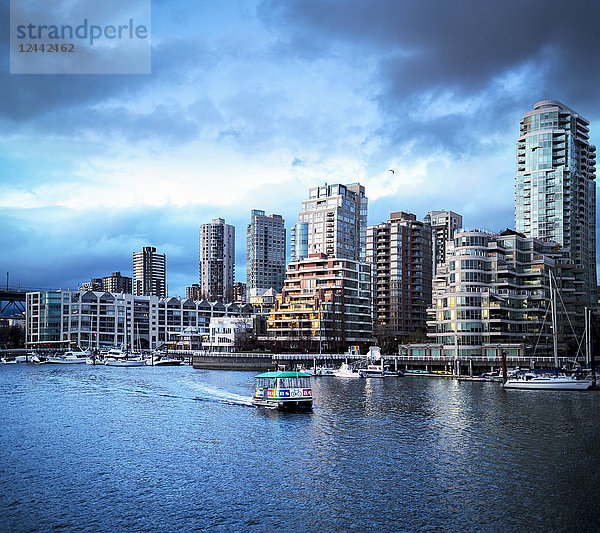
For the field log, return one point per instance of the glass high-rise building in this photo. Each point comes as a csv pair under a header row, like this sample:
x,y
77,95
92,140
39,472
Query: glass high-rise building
x,y
265,253
555,188
333,221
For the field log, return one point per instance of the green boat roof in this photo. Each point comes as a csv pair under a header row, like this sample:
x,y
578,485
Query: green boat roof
x,y
283,375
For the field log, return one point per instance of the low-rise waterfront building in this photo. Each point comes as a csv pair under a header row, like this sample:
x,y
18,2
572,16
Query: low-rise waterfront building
x,y
262,301
325,305
102,319
228,334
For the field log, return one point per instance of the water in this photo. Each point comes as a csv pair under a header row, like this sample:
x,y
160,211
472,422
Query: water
x,y
175,449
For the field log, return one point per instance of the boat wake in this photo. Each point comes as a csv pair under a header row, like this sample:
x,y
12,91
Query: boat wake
x,y
217,395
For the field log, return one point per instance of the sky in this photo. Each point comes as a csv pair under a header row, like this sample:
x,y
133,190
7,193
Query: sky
x,y
251,102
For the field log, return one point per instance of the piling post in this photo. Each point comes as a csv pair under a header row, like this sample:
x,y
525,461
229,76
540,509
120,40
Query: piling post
x,y
503,354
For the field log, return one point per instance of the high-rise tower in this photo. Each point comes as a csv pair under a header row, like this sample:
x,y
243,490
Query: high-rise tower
x,y
399,252
217,260
555,191
443,225
265,253
333,221
149,273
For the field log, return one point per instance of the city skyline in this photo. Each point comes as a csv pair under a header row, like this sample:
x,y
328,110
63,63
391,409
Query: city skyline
x,y
253,114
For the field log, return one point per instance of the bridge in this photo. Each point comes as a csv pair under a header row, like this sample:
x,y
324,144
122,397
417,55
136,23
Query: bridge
x,y
12,302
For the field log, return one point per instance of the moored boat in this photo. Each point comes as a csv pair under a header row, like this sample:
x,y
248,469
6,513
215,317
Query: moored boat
x,y
69,358
159,358
533,381
555,380
378,371
125,362
117,357
283,390
346,371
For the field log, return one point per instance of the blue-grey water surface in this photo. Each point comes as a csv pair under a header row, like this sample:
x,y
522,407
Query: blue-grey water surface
x,y
175,449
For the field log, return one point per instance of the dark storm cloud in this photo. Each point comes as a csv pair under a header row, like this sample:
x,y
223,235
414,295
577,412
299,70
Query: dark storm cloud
x,y
26,97
453,53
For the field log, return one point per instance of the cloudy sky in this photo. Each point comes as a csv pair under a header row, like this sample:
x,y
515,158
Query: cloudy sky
x,y
251,102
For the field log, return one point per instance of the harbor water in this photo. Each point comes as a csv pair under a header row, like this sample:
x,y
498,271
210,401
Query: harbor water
x,y
175,449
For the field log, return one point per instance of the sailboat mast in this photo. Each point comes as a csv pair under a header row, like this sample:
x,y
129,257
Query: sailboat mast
x,y
587,336
554,319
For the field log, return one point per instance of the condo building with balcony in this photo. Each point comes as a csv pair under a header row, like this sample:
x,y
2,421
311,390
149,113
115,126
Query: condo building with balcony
x,y
325,305
443,225
265,253
399,254
495,289
149,273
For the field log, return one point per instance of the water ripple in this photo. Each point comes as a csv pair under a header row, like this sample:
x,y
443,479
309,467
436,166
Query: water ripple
x,y
169,449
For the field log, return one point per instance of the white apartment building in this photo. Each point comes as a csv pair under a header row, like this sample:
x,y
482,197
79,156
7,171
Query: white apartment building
x,y
102,319
225,333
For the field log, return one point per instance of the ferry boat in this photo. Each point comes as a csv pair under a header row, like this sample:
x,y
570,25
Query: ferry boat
x,y
283,390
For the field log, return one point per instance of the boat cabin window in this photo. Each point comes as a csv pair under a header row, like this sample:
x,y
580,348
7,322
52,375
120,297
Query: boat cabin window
x,y
283,383
294,383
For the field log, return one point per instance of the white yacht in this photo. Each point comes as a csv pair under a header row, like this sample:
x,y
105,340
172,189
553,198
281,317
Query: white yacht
x,y
346,371
162,359
378,371
67,358
125,362
117,357
533,381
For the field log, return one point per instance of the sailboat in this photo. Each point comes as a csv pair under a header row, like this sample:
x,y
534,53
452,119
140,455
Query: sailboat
x,y
533,381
